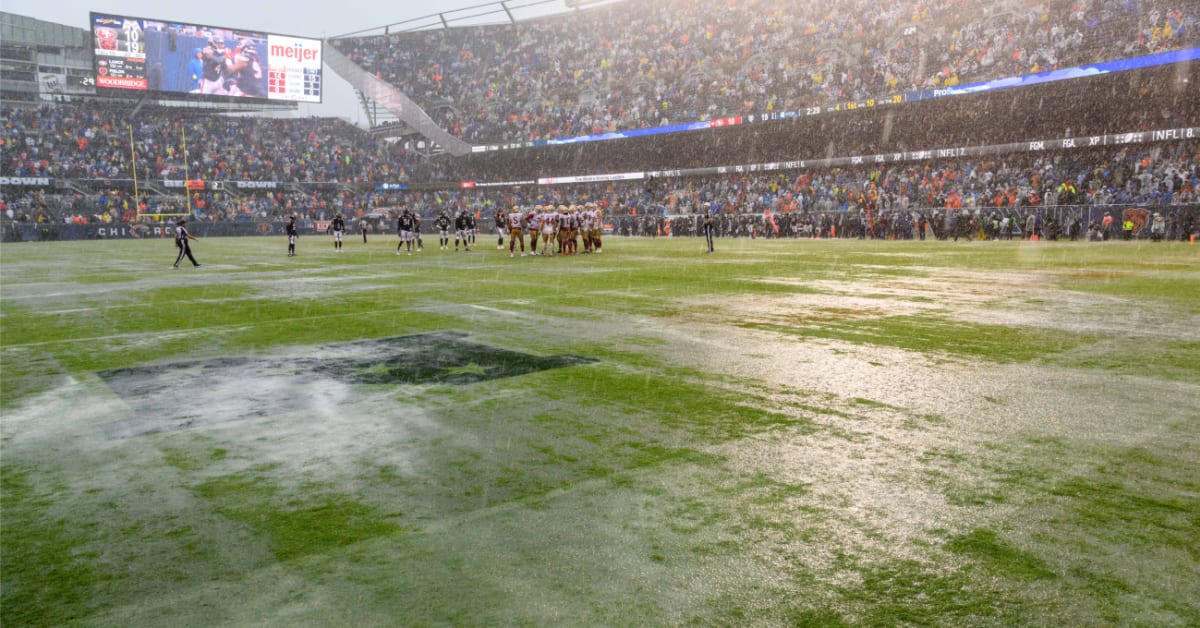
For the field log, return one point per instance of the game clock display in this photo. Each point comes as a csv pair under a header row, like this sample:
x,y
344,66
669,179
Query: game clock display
x,y
295,84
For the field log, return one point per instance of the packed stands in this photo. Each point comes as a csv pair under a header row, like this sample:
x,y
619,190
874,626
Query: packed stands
x,y
93,142
1153,98
633,65
314,168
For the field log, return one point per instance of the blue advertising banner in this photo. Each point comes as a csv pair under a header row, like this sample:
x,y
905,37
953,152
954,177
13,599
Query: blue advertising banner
x,y
1121,65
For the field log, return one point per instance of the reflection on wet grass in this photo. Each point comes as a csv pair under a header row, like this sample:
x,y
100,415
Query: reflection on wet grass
x,y
999,556
42,571
689,477
904,592
1178,289
1176,360
926,334
1092,533
314,519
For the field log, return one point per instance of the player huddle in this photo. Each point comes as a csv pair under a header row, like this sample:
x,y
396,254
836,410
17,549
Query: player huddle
x,y
559,229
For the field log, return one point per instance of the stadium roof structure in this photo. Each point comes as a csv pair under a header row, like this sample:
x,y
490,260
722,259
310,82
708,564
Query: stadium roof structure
x,y
487,14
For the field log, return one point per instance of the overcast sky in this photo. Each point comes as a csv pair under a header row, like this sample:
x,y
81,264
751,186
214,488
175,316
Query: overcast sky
x,y
305,19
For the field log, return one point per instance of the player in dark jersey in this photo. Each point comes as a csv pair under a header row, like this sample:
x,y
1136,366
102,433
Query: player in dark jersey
x,y
293,234
709,229
244,71
212,80
337,227
404,224
462,230
501,227
471,226
442,222
417,231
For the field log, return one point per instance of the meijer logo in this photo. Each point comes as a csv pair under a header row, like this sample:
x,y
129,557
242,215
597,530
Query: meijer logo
x,y
296,51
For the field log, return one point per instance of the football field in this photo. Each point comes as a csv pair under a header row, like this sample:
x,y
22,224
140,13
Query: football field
x,y
786,432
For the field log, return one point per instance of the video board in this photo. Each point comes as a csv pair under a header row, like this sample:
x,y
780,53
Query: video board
x,y
133,53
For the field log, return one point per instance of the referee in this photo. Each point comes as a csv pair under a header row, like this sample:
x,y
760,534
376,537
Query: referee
x,y
181,242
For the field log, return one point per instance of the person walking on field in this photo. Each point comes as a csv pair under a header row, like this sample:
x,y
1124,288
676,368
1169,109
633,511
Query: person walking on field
x,y
337,227
405,225
181,242
709,228
501,227
417,231
292,235
442,224
462,227
1158,227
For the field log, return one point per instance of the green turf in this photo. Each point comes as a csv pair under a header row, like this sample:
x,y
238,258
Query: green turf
x,y
781,433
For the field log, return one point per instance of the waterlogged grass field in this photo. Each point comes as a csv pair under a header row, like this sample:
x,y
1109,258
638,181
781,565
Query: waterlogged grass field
x,y
781,433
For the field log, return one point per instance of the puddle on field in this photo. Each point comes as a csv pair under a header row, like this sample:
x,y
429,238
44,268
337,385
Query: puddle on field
x,y
166,398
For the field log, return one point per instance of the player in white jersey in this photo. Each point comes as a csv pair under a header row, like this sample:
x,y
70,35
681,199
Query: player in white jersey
x,y
585,226
597,227
533,224
560,228
516,219
549,223
573,229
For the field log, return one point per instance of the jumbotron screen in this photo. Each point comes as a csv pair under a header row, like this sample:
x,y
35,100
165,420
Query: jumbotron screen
x,y
158,56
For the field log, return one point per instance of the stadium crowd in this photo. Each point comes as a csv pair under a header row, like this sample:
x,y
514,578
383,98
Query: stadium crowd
x,y
1149,99
322,167
633,65
93,142
1066,187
